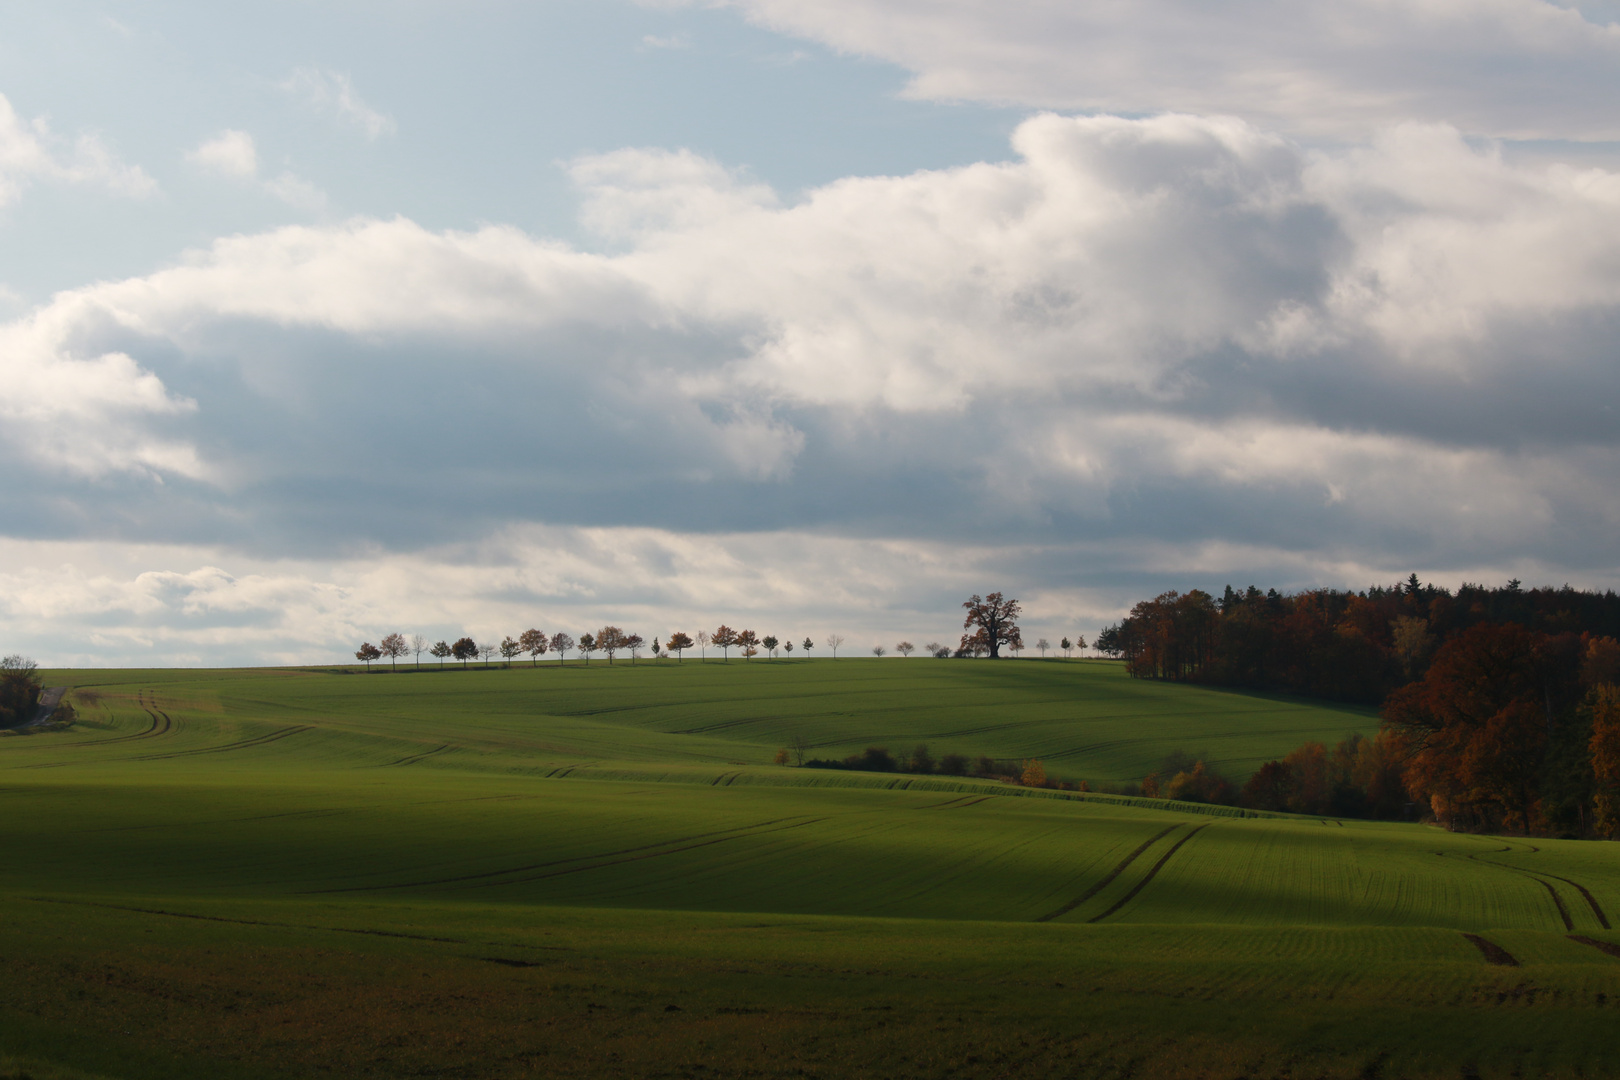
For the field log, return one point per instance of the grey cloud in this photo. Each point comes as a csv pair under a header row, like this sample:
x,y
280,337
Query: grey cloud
x,y
1174,331
1524,69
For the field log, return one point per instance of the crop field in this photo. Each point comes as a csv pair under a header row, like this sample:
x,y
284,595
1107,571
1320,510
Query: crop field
x,y
596,872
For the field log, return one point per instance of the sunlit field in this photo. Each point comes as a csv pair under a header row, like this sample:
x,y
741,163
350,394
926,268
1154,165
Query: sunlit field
x,y
598,872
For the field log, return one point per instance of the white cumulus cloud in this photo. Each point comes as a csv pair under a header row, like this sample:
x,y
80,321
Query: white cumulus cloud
x,y
234,154
231,152
30,153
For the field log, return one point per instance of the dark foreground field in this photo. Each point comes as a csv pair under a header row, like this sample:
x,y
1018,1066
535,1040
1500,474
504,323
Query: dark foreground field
x,y
593,873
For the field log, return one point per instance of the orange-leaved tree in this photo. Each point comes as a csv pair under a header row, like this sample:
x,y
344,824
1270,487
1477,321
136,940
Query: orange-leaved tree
x,y
394,646
1474,729
993,619
610,639
534,643
724,637
1604,701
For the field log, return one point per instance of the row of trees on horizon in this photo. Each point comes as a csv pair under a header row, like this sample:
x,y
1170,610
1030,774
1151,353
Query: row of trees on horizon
x,y
991,622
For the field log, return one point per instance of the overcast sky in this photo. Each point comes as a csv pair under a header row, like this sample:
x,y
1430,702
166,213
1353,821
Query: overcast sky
x,y
324,320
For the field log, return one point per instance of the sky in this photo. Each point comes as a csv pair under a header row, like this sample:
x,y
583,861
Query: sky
x,y
320,321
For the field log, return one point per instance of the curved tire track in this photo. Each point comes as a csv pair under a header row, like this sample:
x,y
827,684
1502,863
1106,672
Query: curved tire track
x,y
412,759
1557,898
649,849
1109,878
160,726
1151,874
240,744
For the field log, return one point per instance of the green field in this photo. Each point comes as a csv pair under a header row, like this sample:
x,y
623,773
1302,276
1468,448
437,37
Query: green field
x,y
595,872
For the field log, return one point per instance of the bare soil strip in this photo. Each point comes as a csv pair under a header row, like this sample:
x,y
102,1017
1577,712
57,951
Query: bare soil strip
x,y
1493,952
1151,874
1118,870
1601,946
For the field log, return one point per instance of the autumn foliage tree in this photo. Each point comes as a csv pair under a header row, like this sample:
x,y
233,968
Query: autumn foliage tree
x,y
368,652
1474,728
724,638
678,643
394,646
1604,703
535,644
993,620
610,639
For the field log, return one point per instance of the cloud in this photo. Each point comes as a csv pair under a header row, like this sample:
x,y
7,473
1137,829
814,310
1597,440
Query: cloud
x,y
104,605
233,153
673,41
332,93
1523,69
29,152
1173,337
230,153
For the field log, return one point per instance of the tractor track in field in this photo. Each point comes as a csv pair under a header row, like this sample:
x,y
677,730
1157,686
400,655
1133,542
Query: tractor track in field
x,y
723,725
1151,874
240,744
250,922
947,802
1110,876
1609,948
1591,901
412,759
1493,953
159,726
740,830
647,855
1557,898
971,802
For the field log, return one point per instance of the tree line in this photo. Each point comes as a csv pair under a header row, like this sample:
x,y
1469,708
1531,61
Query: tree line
x,y
991,622
1500,707
1027,772
610,641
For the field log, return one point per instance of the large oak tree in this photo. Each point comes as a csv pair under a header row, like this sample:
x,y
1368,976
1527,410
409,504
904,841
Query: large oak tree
x,y
993,620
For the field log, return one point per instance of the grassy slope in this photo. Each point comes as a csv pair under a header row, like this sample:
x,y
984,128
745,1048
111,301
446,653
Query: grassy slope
x,y
1084,719
196,878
